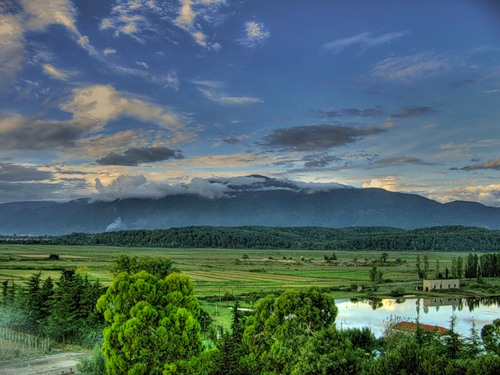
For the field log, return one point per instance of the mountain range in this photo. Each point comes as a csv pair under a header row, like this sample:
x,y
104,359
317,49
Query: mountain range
x,y
250,200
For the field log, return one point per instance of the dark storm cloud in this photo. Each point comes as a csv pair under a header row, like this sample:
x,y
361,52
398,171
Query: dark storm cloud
x,y
24,133
22,191
319,137
319,160
402,160
412,112
231,139
492,164
136,156
17,173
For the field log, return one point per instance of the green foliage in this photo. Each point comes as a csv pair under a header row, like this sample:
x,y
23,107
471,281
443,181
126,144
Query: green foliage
x,y
446,238
153,324
376,276
327,353
490,334
157,266
397,292
282,327
361,338
72,307
95,364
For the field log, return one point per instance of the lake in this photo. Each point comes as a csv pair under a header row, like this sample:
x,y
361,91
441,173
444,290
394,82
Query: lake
x,y
373,313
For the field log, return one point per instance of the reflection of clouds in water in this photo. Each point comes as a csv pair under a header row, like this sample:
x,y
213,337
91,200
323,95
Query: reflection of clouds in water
x,y
389,304
360,314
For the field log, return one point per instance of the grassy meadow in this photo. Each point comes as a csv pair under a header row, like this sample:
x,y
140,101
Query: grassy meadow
x,y
218,272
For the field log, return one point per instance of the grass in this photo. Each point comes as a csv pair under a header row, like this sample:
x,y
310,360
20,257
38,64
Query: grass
x,y
221,274
218,272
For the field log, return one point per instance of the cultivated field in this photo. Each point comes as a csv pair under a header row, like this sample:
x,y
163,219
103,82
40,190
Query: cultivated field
x,y
218,272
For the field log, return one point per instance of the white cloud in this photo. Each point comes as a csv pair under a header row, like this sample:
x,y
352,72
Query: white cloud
x,y
186,15
206,83
229,100
100,104
191,10
363,39
388,183
407,69
36,16
53,72
140,187
92,107
11,47
40,14
486,194
255,33
142,64
172,80
128,18
43,13
109,51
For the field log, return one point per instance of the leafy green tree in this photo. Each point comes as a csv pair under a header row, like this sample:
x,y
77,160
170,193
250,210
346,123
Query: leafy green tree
x,y
153,325
327,353
490,334
426,266
454,268
158,266
362,338
281,328
460,267
419,267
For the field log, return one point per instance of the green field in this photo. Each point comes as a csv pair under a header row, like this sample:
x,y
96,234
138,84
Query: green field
x,y
218,272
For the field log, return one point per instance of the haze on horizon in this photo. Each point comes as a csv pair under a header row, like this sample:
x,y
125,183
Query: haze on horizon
x,y
114,97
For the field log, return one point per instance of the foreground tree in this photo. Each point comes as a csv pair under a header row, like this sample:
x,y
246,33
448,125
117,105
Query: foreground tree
x,y
285,331
153,326
491,336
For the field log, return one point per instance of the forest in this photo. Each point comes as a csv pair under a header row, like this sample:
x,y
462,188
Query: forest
x,y
449,238
149,321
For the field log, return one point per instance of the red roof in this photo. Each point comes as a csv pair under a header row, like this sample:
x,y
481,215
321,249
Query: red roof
x,y
412,327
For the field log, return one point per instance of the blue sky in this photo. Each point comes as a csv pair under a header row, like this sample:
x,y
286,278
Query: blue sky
x,y
146,95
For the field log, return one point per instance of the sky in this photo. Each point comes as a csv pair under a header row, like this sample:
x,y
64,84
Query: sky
x,y
144,97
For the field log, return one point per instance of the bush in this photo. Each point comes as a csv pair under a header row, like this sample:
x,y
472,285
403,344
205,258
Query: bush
x,y
95,364
398,292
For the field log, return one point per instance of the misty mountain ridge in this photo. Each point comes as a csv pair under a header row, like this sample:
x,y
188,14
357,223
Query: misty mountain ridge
x,y
241,201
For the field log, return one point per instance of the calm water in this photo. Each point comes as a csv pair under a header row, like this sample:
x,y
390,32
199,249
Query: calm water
x,y
372,313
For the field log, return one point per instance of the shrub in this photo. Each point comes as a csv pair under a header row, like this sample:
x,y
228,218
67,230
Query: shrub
x,y
398,292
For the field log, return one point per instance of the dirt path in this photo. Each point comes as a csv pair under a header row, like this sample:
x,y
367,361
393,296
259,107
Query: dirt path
x,y
53,364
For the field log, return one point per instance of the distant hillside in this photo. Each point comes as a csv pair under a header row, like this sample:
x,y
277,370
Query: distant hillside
x,y
454,238
266,203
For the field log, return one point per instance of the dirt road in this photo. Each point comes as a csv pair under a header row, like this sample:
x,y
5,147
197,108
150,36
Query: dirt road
x,y
53,364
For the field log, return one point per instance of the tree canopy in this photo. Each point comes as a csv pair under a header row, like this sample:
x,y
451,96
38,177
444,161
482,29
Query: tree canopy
x,y
153,325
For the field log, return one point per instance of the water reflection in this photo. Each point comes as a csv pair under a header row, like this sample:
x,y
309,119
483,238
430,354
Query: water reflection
x,y
371,312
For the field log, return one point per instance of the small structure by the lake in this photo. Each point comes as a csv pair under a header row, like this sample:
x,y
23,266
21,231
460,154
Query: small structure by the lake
x,y
412,327
429,285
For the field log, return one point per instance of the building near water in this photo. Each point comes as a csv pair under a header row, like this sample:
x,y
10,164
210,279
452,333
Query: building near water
x,y
440,284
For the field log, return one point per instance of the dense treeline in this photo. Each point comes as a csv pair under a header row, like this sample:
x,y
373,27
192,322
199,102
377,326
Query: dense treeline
x,y
452,238
63,310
